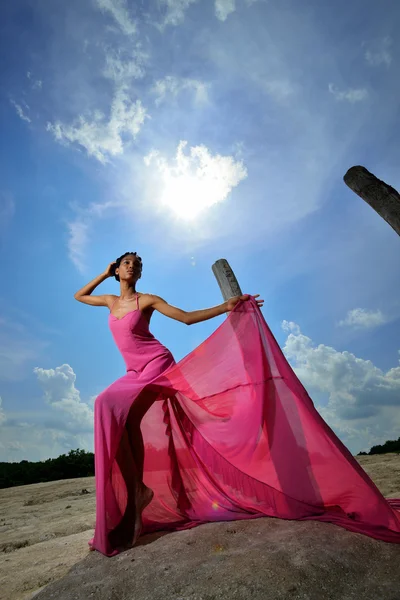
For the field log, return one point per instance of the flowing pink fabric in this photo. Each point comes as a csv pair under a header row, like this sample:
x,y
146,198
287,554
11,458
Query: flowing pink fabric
x,y
230,434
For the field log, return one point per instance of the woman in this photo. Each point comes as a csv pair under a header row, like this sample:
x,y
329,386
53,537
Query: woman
x,y
120,409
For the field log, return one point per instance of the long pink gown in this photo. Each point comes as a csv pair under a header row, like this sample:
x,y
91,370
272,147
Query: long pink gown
x,y
230,434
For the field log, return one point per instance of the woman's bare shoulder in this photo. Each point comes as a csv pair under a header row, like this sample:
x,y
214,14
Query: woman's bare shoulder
x,y
147,299
111,298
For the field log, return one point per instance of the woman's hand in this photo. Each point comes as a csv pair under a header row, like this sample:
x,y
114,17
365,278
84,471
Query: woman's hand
x,y
233,301
109,272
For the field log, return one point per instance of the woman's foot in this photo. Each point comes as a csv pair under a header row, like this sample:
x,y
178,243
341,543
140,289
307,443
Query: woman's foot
x,y
143,499
128,530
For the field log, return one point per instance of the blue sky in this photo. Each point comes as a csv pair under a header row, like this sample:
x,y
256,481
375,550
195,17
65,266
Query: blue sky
x,y
193,130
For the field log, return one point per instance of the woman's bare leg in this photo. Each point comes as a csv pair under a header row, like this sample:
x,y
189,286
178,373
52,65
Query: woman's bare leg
x,y
144,495
124,531
130,459
135,440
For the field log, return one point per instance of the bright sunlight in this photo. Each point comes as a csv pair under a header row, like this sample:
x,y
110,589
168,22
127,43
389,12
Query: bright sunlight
x,y
197,181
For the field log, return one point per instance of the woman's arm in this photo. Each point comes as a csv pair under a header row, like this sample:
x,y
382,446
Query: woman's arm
x,y
196,316
84,294
189,318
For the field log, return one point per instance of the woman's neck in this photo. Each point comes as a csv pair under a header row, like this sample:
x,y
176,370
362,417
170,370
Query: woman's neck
x,y
127,292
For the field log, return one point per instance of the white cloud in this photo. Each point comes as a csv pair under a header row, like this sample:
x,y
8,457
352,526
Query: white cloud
x,y
356,388
14,446
379,52
77,240
363,401
38,442
92,400
223,8
35,434
362,318
61,394
101,138
175,11
172,86
351,95
36,84
119,11
289,326
79,229
194,182
278,89
20,112
122,67
3,417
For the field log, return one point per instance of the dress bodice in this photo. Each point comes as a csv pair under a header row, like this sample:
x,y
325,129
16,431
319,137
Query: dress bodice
x,y
134,340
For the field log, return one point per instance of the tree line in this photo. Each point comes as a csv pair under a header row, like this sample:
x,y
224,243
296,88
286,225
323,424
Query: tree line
x,y
79,463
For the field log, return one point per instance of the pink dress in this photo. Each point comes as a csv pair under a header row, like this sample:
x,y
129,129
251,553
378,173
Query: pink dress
x,y
230,433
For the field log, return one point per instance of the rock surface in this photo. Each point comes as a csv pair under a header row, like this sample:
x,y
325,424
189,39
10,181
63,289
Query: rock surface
x,y
45,529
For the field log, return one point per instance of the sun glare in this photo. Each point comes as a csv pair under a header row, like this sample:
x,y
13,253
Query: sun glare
x,y
195,181
187,195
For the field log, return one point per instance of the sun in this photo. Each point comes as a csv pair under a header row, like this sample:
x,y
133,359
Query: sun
x,y
188,195
193,182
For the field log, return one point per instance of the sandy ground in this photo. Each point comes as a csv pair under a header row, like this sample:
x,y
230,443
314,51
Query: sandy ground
x,y
45,527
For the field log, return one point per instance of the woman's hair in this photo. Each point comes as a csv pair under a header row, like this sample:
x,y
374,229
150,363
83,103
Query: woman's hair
x,y
118,262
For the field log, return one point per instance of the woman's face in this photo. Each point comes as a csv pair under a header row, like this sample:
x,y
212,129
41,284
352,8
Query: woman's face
x,y
130,268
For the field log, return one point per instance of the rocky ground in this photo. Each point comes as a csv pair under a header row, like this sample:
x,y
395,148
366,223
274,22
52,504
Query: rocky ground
x,y
45,528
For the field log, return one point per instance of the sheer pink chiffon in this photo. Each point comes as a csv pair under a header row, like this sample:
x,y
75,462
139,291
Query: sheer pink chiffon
x,y
230,433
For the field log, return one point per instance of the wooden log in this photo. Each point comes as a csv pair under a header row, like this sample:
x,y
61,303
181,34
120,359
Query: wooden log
x,y
384,199
226,279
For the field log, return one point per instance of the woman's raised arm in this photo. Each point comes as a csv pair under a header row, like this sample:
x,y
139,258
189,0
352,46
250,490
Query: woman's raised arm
x,y
84,294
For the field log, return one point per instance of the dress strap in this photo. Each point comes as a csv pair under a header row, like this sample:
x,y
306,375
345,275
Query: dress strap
x,y
111,307
137,300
